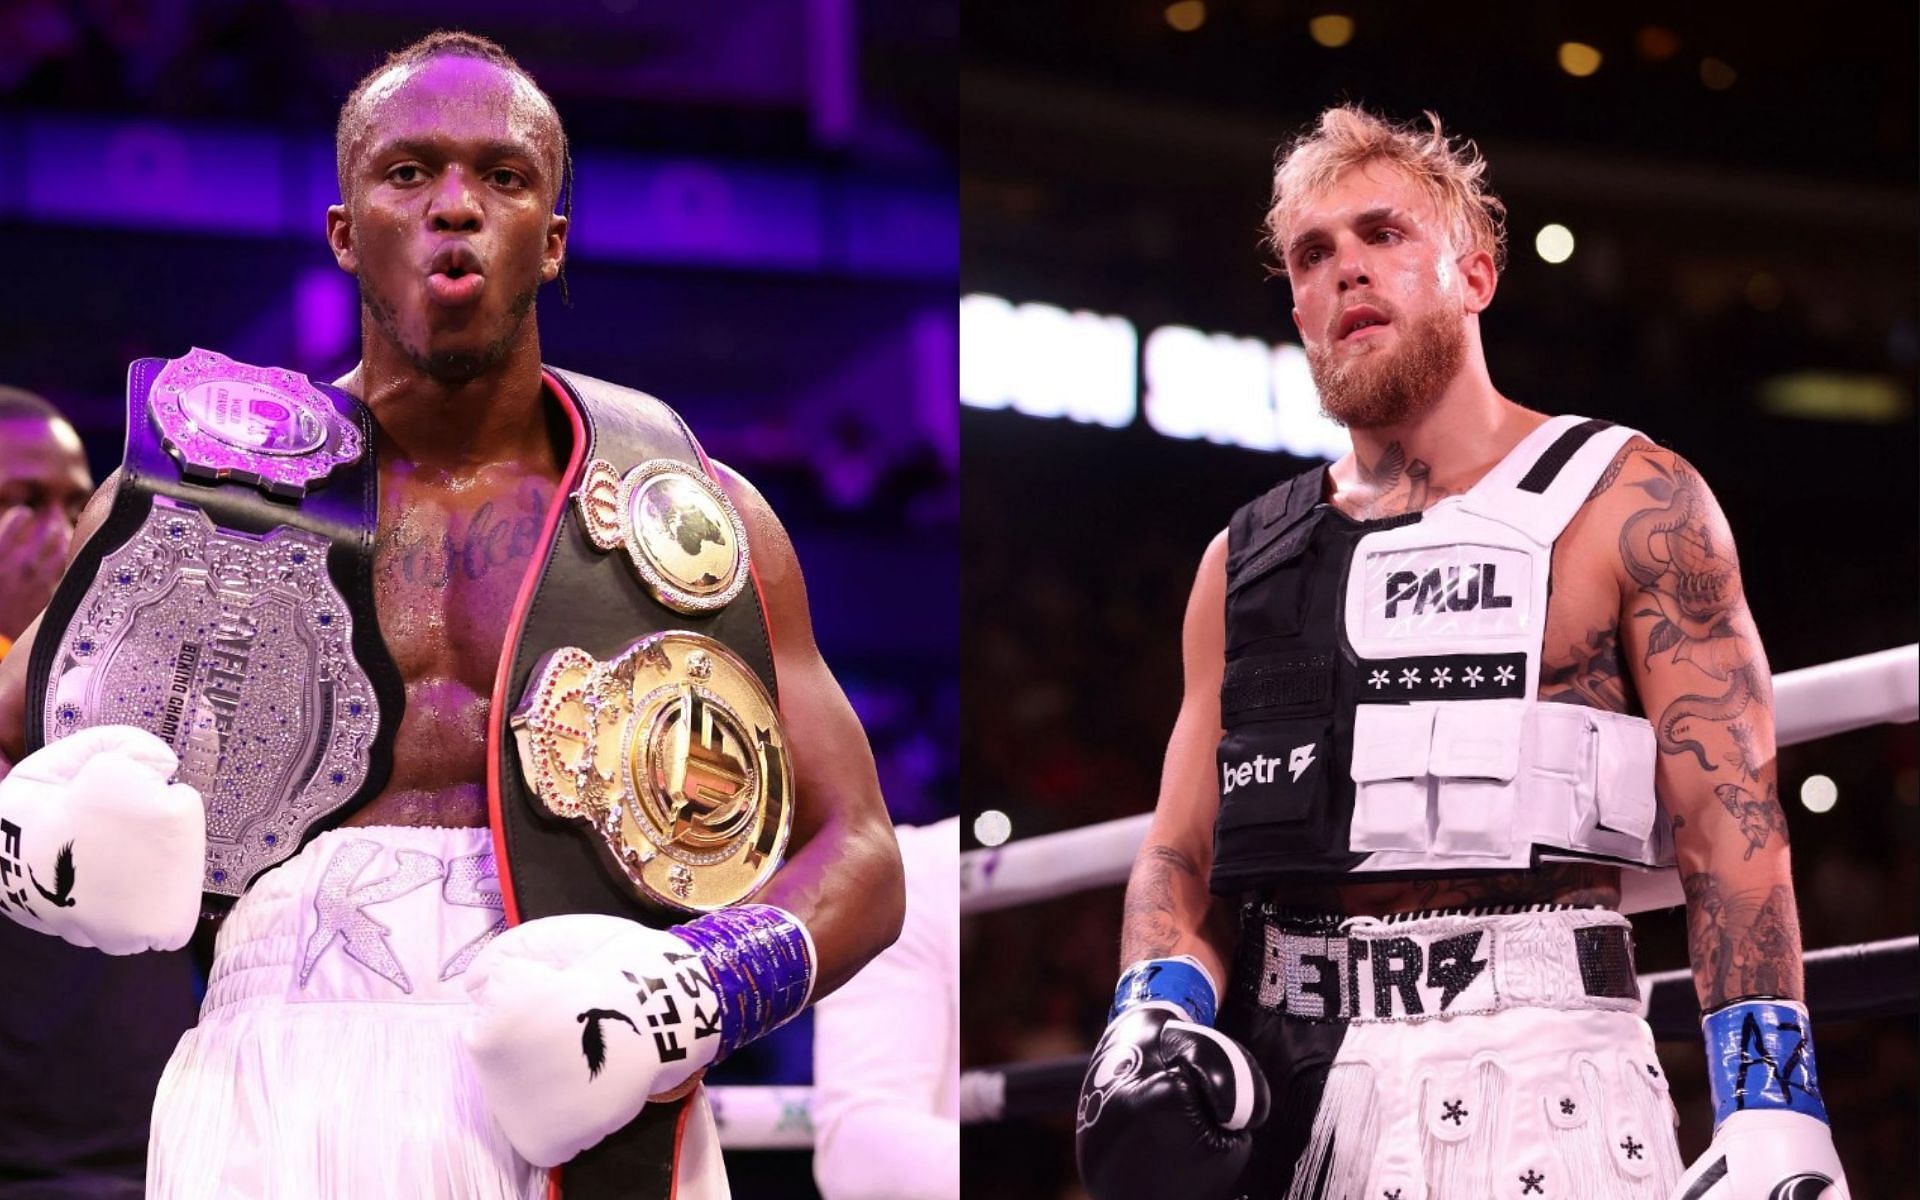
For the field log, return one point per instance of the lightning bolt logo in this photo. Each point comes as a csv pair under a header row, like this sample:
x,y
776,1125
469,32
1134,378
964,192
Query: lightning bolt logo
x,y
1299,759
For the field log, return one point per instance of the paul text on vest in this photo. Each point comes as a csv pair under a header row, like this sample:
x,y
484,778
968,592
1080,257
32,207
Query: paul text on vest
x,y
1454,588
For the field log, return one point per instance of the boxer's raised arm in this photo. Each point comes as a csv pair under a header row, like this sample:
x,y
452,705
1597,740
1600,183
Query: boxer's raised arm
x,y
1169,911
13,668
842,877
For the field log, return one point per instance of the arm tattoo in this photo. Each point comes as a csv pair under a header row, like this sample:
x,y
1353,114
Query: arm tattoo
x,y
1743,943
1759,818
1745,756
1691,587
1619,464
1593,673
1147,926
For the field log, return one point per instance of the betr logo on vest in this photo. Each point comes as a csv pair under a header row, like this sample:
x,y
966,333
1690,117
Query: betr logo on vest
x,y
1445,589
1264,768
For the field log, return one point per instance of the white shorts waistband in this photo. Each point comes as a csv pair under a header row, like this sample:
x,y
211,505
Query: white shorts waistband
x,y
368,913
1365,969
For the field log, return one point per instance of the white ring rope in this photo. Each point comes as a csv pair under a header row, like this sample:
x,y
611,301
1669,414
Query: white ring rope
x,y
1813,702
763,1118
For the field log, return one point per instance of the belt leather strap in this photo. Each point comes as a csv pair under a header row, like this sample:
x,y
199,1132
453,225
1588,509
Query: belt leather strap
x,y
581,596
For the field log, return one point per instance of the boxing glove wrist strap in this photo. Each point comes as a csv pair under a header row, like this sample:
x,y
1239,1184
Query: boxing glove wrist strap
x,y
1181,982
1760,1056
761,959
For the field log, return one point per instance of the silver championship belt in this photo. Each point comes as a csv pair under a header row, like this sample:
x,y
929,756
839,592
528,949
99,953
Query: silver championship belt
x,y
267,426
211,616
672,752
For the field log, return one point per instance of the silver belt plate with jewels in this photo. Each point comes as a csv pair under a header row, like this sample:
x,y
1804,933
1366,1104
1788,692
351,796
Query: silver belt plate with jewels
x,y
237,651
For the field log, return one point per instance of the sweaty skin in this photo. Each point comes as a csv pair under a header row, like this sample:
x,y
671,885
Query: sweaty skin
x,y
1646,613
452,171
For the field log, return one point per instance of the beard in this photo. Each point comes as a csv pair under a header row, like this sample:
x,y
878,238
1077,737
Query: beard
x,y
449,366
1385,388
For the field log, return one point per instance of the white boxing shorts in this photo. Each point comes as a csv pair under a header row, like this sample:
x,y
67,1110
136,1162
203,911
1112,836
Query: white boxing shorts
x,y
1449,1056
327,1064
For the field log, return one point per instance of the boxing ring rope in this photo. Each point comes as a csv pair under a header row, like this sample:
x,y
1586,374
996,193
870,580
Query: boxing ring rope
x,y
1872,979
1811,703
764,1118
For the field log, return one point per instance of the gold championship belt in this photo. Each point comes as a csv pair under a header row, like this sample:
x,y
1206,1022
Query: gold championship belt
x,y
673,753
683,536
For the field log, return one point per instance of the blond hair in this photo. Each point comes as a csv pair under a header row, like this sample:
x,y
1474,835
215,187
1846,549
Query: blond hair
x,y
1454,176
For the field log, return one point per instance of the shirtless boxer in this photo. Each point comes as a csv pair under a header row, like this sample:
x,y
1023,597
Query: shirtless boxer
x,y
352,1044
1411,789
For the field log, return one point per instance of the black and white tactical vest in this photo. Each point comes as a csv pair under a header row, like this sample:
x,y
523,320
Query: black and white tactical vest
x,y
1378,702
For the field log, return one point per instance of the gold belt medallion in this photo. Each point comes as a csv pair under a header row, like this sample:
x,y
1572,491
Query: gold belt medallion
x,y
683,536
673,752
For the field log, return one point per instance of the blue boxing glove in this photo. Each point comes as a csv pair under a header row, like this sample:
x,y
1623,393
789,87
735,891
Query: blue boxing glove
x,y
580,1020
1169,1104
1771,1140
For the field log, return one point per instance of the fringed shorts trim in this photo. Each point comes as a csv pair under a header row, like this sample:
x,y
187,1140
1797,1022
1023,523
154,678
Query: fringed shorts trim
x,y
328,1061
1522,1103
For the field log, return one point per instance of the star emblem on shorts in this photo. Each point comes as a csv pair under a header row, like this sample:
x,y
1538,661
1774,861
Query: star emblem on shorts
x,y
1409,676
1473,677
1392,1195
1567,1106
1377,680
1456,1111
1632,1147
1530,1182
1442,676
1503,675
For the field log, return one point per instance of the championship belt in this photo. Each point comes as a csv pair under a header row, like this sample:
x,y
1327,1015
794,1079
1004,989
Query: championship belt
x,y
654,740
638,764
673,754
226,606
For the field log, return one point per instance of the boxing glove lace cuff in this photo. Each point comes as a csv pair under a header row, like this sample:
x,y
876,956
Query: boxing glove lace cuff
x,y
1181,983
761,959
1760,1056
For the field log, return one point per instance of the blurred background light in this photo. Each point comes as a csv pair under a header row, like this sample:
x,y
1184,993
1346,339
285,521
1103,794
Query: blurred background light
x,y
1554,243
1819,793
1579,59
1836,396
992,827
1332,30
1717,74
1656,43
1186,15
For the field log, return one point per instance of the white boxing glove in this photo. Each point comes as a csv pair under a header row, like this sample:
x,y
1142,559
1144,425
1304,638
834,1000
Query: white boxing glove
x,y
1771,1140
1767,1154
579,1020
98,848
